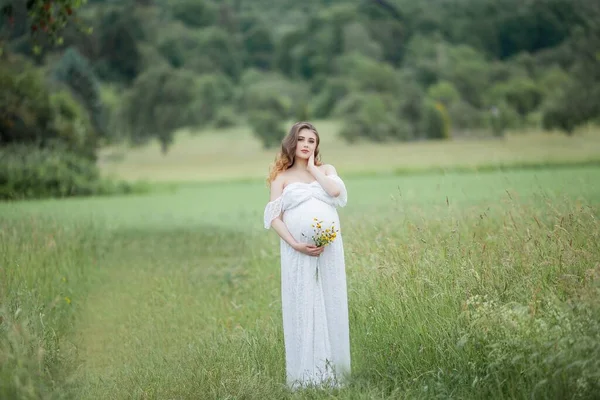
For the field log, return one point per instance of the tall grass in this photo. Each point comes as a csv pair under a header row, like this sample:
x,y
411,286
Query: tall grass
x,y
44,272
489,294
498,303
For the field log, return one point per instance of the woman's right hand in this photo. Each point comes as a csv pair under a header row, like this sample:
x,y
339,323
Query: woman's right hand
x,y
309,249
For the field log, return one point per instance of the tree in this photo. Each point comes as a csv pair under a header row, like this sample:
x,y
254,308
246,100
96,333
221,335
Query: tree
x,y
578,101
157,105
41,17
75,71
32,114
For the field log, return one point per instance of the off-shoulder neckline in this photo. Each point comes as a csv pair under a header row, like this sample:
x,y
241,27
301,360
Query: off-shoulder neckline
x,y
300,183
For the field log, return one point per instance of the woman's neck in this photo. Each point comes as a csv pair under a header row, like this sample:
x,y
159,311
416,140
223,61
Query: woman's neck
x,y
300,164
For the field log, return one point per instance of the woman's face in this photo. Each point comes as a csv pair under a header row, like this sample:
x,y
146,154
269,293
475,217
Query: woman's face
x,y
307,144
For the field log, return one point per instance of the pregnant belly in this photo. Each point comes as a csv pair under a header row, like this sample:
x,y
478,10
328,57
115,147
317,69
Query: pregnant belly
x,y
301,222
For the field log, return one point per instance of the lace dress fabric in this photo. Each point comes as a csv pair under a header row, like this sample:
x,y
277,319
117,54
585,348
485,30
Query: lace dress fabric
x,y
313,289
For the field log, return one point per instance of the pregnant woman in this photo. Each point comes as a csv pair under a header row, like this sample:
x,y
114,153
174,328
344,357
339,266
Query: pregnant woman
x,y
303,201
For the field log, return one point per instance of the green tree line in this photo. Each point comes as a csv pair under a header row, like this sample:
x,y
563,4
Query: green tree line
x,y
389,69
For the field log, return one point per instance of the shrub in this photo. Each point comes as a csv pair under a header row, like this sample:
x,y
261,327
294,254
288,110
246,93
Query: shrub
x,y
194,13
502,117
76,72
225,118
27,172
32,116
372,117
444,92
273,92
464,116
435,122
213,92
333,90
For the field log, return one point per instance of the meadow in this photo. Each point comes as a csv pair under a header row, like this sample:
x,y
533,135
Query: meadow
x,y
476,278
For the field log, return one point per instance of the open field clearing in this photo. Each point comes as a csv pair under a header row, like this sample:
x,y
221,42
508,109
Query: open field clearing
x,y
469,285
235,154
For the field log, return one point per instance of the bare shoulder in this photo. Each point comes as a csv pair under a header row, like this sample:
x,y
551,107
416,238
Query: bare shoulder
x,y
283,177
277,185
279,180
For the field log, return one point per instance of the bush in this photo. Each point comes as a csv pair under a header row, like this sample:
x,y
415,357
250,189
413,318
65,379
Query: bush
x,y
502,117
75,71
368,75
444,92
464,116
436,122
521,94
213,92
225,118
372,117
32,116
272,92
194,13
333,90
28,172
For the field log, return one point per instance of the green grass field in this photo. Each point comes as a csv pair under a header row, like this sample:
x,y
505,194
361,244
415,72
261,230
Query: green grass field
x,y
481,284
233,154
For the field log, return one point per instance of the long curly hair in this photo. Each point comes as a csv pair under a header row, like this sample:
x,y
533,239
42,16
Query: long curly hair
x,y
287,155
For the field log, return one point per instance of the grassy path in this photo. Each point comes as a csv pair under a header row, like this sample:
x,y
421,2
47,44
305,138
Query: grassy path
x,y
140,330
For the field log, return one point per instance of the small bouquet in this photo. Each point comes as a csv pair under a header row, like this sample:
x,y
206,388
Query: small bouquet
x,y
322,237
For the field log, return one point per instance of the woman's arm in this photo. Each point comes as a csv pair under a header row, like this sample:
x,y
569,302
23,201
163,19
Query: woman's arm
x,y
330,186
279,226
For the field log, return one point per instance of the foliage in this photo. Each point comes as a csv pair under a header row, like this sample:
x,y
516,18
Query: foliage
x,y
444,92
331,92
470,55
259,46
522,94
29,114
194,13
262,91
117,45
372,117
157,104
436,121
267,127
502,117
48,140
46,18
578,99
28,171
75,71
225,118
213,92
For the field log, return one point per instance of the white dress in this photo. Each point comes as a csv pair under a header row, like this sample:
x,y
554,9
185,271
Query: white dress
x,y
314,303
